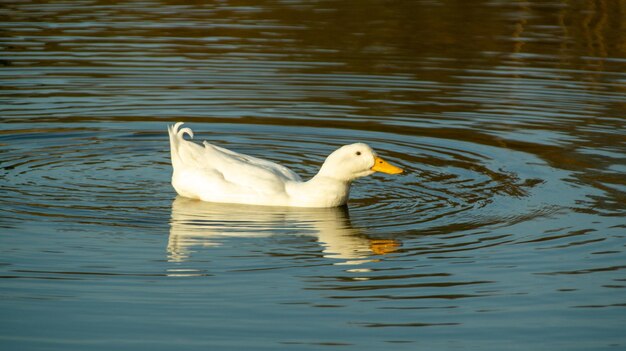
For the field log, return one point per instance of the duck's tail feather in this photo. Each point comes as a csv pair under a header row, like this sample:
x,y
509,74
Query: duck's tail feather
x,y
180,132
176,137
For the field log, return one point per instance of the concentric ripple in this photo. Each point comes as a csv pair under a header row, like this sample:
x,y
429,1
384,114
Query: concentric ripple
x,y
111,176
81,175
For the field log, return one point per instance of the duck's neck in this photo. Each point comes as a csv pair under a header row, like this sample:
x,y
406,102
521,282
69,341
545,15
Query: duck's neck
x,y
321,191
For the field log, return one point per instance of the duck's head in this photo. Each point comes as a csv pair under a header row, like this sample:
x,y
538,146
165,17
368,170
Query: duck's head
x,y
354,161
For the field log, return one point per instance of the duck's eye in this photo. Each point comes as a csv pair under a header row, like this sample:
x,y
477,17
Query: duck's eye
x,y
358,153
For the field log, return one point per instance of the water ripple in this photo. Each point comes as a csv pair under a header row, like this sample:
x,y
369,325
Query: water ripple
x,y
506,116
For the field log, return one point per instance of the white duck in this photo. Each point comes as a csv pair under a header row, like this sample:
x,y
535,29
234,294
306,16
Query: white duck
x,y
214,174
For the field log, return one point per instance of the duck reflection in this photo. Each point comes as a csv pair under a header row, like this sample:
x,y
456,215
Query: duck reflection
x,y
200,224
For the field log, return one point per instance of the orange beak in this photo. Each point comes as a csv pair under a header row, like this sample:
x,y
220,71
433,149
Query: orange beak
x,y
383,166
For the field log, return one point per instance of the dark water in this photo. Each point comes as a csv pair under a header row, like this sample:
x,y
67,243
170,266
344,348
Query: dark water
x,y
507,232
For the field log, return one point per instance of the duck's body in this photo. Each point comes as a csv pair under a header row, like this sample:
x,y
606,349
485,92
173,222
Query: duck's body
x,y
211,173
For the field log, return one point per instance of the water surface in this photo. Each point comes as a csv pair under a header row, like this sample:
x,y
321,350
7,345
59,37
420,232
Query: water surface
x,y
506,232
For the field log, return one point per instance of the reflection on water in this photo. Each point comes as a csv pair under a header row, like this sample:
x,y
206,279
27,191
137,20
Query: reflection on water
x,y
196,223
506,232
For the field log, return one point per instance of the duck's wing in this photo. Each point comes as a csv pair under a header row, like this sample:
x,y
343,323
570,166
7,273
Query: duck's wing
x,y
249,163
223,173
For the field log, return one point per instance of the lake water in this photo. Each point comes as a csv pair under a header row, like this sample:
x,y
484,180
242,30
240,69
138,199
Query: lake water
x,y
507,232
